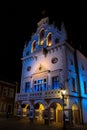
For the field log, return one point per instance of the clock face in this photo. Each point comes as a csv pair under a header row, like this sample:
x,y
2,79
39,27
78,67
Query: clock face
x,y
54,60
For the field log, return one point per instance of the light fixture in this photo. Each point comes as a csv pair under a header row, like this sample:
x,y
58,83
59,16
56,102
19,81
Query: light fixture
x,y
63,92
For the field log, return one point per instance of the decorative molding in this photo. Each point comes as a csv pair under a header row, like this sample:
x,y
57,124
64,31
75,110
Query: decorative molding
x,y
54,60
40,68
28,68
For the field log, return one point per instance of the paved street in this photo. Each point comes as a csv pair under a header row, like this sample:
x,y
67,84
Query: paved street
x,y
24,124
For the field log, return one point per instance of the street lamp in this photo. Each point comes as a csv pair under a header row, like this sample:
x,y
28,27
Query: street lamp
x,y
63,92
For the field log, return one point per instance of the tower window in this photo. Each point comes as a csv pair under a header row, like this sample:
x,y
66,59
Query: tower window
x,y
49,39
33,46
41,37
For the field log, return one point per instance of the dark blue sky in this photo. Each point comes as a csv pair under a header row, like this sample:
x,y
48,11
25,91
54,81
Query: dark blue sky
x,y
19,21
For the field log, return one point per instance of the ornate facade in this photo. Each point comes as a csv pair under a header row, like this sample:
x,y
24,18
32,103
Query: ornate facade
x,y
49,66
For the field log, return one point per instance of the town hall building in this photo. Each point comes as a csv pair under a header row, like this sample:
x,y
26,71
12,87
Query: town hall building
x,y
53,79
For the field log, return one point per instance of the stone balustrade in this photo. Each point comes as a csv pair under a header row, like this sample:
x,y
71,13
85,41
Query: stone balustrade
x,y
38,95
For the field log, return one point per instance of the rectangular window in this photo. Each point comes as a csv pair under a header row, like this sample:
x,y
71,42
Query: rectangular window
x,y
40,85
11,92
55,82
73,85
27,87
85,87
5,92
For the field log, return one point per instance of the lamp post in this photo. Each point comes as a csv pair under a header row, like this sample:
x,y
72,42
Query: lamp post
x,y
63,92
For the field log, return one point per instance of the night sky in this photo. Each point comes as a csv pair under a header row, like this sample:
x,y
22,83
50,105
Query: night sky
x,y
19,21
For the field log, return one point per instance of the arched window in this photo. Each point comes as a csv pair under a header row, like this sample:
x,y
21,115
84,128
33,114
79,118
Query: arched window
x,y
33,46
41,37
49,39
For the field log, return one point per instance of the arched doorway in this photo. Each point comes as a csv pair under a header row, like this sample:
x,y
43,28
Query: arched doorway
x,y
75,114
25,110
59,113
39,109
56,113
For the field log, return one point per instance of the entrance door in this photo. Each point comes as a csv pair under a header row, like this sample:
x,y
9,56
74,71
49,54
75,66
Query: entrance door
x,y
59,116
75,114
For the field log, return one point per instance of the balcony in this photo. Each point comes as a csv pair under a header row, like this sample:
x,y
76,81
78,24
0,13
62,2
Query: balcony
x,y
38,95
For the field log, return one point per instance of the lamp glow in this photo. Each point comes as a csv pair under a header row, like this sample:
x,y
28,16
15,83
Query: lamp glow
x,y
63,92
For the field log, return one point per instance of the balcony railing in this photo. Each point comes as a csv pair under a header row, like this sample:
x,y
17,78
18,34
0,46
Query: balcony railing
x,y
38,95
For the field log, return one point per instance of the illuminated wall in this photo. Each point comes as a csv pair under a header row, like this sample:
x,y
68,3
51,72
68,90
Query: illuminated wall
x,y
40,54
48,55
82,68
